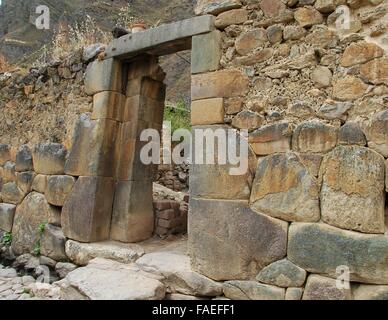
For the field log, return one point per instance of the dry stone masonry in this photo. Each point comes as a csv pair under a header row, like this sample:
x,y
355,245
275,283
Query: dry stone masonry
x,y
313,95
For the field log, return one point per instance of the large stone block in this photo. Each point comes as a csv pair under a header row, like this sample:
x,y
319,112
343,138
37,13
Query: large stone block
x,y
231,17
49,158
283,188
314,137
248,119
225,83
11,193
58,189
92,152
320,248
271,138
251,40
377,133
7,213
141,107
108,105
24,159
133,215
145,66
30,214
227,240
87,212
370,292
360,52
130,167
206,52
5,153
9,172
215,181
40,183
207,111
351,133
282,273
251,290
215,6
352,193
104,75
52,243
349,88
308,16
322,288
24,181
376,71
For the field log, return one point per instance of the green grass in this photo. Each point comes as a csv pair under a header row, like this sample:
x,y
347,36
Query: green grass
x,y
178,115
7,239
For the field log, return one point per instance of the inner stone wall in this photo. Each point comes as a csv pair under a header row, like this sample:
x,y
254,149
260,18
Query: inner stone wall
x,y
314,98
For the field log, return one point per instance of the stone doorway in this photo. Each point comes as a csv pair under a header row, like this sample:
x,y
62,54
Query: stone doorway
x,y
128,97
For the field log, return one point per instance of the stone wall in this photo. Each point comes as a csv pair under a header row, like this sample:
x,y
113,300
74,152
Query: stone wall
x,y
314,98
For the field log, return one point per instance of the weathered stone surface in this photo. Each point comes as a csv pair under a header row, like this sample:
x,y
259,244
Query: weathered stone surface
x,y
11,193
87,212
49,158
335,110
233,106
251,290
250,41
82,253
321,76
294,294
109,280
58,189
275,34
283,188
92,148
312,162
303,61
178,276
52,243
55,216
208,111
235,16
247,119
386,175
215,7
225,83
133,215
315,137
360,52
377,133
351,133
206,179
293,32
108,105
325,6
5,153
142,108
206,52
7,212
370,292
319,248
352,192
64,268
227,240
376,71
282,273
24,159
40,183
9,172
349,88
257,57
322,288
24,181
103,75
271,138
308,16
32,212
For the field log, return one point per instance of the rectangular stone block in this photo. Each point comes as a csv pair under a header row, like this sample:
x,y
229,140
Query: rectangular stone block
x,y
92,152
133,215
87,212
105,75
227,240
165,39
224,83
143,108
206,52
7,213
147,87
49,158
5,153
208,111
128,149
108,105
145,66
